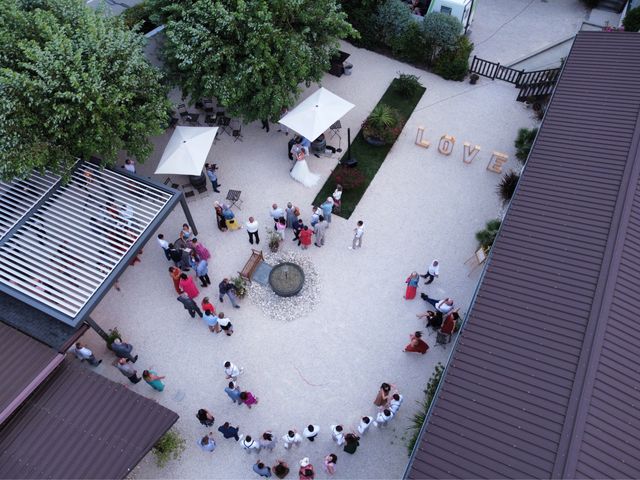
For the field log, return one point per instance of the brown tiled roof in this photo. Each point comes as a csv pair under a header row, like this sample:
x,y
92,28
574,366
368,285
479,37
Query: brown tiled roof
x,y
545,380
79,424
25,364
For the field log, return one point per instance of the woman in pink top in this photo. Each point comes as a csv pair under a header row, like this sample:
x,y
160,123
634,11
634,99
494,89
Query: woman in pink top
x,y
188,287
248,399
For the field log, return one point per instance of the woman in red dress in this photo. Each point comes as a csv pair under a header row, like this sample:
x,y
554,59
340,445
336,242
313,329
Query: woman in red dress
x,y
416,344
412,285
188,287
305,237
175,276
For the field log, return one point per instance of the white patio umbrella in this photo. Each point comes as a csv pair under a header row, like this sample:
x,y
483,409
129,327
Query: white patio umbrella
x,y
187,150
316,113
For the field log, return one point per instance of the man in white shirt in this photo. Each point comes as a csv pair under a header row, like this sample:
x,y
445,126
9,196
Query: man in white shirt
x,y
365,423
252,230
444,306
292,437
336,434
250,444
383,418
164,245
129,165
396,401
231,370
276,213
311,432
357,237
83,353
432,272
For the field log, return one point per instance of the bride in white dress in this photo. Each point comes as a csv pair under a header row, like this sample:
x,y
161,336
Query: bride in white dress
x,y
301,173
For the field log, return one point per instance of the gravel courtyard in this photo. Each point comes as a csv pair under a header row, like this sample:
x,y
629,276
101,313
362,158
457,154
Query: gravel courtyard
x,y
325,365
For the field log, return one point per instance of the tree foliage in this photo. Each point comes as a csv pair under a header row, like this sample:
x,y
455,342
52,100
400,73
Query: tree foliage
x,y
524,142
441,32
631,22
250,54
73,83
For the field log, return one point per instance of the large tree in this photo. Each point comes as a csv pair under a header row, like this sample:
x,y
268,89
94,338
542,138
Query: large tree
x,y
250,54
73,83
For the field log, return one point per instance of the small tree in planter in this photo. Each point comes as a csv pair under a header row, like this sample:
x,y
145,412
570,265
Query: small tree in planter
x,y
274,240
507,186
112,335
488,235
240,285
382,126
407,85
170,446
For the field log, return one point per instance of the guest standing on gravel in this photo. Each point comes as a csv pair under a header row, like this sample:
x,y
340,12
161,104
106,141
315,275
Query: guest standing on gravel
x,y
412,285
252,229
311,432
281,469
188,287
337,197
383,395
315,216
127,370
83,353
306,471
297,227
305,237
220,221
259,467
365,423
201,267
202,251
358,233
320,230
207,305
175,277
123,350
164,245
205,417
337,434
225,324
207,443
228,431
276,213
248,399
232,371
290,215
443,306
233,391
330,463
383,418
292,437
213,177
268,440
227,288
416,344
432,272
327,208
189,305
153,380
352,442
249,444
211,319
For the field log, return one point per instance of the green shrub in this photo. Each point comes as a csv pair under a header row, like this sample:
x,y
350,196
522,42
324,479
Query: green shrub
x,y
507,186
411,45
407,84
363,20
454,65
138,16
523,143
420,416
631,22
392,19
383,123
441,32
488,235
170,446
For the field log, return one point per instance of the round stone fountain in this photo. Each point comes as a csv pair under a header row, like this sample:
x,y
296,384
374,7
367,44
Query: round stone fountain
x,y
286,279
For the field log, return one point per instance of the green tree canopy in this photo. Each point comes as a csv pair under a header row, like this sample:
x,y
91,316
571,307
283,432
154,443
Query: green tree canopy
x,y
250,54
73,83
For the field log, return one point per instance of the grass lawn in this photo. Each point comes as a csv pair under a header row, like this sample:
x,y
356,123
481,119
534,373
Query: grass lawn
x,y
369,157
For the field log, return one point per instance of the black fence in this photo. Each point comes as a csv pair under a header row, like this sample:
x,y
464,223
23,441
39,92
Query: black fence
x,y
532,85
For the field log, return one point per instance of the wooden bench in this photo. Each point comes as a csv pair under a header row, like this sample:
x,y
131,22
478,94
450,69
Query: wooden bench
x,y
249,268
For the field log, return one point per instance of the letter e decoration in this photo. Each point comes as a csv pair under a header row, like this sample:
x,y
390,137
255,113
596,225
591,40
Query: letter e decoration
x,y
496,161
419,141
445,146
469,154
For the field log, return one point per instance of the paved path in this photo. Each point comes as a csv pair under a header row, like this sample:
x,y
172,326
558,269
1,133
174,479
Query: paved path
x,y
324,367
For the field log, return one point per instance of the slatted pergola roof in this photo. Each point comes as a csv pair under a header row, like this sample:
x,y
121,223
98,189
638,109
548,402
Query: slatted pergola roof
x,y
62,245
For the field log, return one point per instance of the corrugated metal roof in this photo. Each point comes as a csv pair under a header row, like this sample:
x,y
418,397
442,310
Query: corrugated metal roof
x,y
25,364
544,380
79,424
62,250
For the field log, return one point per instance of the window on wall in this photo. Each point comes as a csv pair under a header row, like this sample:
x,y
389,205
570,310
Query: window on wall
x,y
445,10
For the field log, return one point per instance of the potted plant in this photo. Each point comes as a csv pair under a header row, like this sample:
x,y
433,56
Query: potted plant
x,y
473,78
488,235
382,126
274,240
240,285
112,335
170,446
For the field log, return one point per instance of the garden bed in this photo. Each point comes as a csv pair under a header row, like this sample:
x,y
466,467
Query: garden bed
x,y
369,157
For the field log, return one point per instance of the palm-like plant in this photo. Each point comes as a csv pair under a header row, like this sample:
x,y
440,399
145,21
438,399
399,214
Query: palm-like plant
x,y
382,123
507,186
